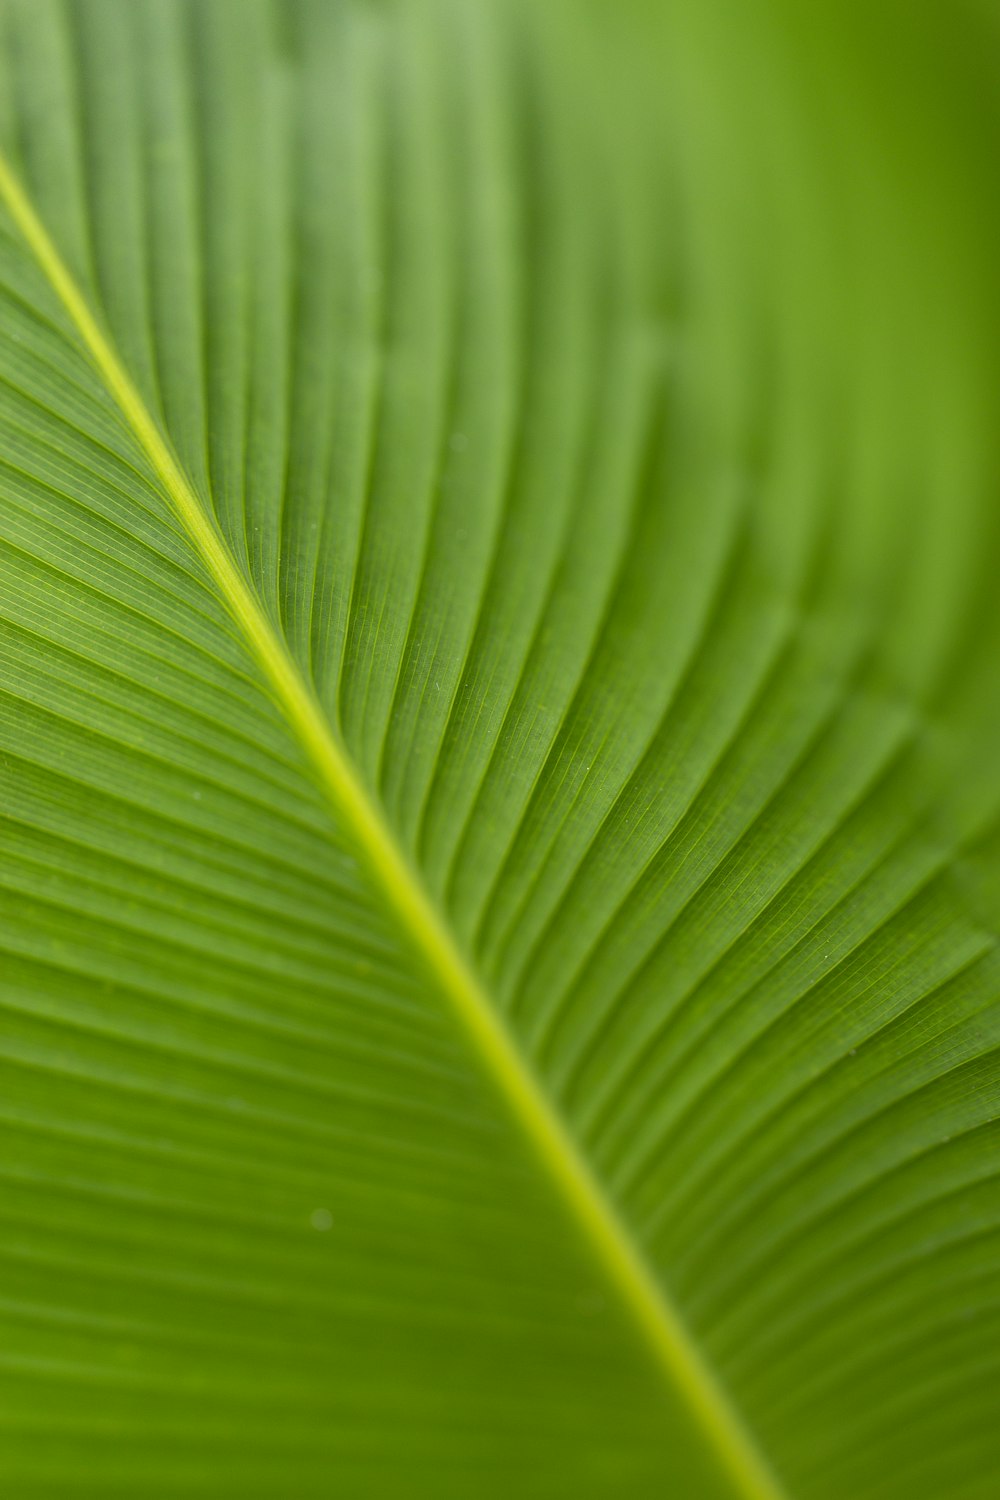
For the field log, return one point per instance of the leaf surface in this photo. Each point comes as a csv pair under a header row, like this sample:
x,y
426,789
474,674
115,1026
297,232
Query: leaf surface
x,y
499,871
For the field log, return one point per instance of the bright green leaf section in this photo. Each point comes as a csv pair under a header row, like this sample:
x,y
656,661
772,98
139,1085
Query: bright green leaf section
x,y
499,875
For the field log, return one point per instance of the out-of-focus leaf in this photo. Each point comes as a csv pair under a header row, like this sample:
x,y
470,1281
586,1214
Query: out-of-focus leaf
x,y
499,742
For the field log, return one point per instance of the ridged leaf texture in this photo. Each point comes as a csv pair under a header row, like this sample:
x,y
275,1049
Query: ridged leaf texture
x,y
500,753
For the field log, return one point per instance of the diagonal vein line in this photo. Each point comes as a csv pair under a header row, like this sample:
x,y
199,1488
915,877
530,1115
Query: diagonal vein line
x,y
664,1330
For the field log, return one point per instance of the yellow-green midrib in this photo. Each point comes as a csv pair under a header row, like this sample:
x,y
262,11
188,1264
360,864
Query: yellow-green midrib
x,y
661,1326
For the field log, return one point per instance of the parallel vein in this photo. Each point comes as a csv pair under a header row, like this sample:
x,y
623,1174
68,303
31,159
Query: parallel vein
x,y
662,1327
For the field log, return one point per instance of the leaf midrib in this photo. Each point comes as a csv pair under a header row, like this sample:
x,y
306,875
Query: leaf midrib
x,y
663,1328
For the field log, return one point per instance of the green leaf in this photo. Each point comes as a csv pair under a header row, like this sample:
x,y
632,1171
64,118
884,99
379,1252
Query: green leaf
x,y
499,871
